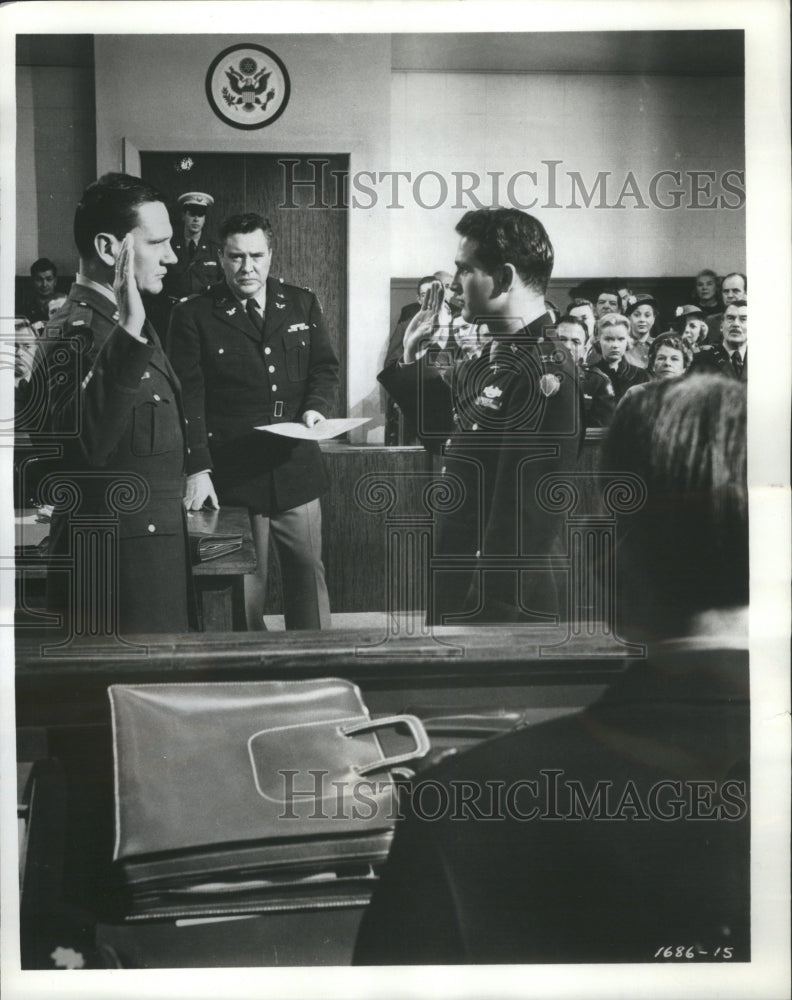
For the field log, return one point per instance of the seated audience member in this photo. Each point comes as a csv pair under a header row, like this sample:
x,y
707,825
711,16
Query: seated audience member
x,y
607,302
35,302
599,399
733,288
583,839
584,310
691,325
669,357
642,314
614,341
730,357
626,298
706,295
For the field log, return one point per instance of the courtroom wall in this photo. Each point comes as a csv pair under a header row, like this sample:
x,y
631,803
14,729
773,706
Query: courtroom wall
x,y
150,91
584,124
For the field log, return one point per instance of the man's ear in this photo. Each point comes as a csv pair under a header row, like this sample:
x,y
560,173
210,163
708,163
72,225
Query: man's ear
x,y
107,248
505,279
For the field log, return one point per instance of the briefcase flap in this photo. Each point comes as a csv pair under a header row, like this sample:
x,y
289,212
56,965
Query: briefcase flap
x,y
198,765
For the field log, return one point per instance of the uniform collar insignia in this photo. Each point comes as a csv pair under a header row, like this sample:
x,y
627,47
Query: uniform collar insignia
x,y
231,311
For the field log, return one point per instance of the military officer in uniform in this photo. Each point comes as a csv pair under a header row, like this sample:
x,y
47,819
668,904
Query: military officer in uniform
x,y
115,406
599,399
506,415
198,265
730,357
253,350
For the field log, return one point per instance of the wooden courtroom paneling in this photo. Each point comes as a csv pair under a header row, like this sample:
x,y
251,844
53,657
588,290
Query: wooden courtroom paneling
x,y
310,245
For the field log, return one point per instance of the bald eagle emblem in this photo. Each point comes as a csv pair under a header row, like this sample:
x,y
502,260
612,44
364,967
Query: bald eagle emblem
x,y
247,86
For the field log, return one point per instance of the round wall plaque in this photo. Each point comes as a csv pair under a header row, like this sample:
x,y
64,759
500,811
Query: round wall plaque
x,y
247,86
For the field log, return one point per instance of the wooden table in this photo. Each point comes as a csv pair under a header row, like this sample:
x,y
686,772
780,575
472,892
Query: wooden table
x,y
219,583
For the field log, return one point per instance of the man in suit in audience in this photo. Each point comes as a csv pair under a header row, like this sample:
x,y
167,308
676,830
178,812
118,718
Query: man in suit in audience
x,y
619,833
252,351
506,414
730,357
115,406
734,287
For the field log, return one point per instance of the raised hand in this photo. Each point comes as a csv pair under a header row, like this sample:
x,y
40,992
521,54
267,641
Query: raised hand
x,y
424,322
131,314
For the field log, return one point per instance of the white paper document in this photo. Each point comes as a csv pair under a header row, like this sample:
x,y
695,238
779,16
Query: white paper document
x,y
322,431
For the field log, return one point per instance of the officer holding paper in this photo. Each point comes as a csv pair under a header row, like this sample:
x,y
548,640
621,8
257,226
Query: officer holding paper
x,y
251,351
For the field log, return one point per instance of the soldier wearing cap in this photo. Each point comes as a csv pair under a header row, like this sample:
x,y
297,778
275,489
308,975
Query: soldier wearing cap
x,y
198,267
506,414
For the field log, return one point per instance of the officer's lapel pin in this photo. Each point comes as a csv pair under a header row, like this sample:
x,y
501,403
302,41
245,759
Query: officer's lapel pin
x,y
231,311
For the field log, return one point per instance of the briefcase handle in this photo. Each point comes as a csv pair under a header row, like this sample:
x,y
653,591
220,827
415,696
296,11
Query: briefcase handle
x,y
417,732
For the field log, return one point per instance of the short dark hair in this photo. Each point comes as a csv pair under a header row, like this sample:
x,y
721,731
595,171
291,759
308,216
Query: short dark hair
x,y
246,222
737,302
610,291
41,265
577,304
110,205
576,320
686,550
736,274
669,340
428,279
509,236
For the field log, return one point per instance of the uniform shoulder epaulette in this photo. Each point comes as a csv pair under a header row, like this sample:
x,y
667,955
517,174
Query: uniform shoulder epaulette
x,y
81,316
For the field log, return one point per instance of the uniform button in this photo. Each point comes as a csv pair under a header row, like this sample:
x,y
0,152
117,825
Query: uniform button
x,y
448,442
443,471
156,397
209,434
189,452
274,388
268,350
478,554
474,427
152,528
271,368
221,351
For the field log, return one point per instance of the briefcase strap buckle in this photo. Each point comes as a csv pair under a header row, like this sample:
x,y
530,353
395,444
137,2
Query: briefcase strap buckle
x,y
417,732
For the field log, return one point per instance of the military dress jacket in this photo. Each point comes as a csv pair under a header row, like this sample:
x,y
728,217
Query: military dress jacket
x,y
115,407
235,378
599,397
191,275
502,418
618,834
715,360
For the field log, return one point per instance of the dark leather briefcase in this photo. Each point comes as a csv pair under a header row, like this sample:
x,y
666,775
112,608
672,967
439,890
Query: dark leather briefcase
x,y
251,796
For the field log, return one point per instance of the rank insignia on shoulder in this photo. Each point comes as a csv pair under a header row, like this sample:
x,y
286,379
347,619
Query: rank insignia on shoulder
x,y
78,322
549,385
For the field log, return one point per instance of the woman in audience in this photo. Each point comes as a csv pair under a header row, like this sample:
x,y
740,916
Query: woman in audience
x,y
523,849
614,341
691,325
669,357
642,314
707,295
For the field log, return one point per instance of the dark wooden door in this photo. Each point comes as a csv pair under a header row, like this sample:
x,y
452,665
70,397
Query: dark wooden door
x,y
310,246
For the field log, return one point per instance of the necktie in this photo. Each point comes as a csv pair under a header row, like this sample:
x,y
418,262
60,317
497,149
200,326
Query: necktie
x,y
191,250
737,364
254,315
